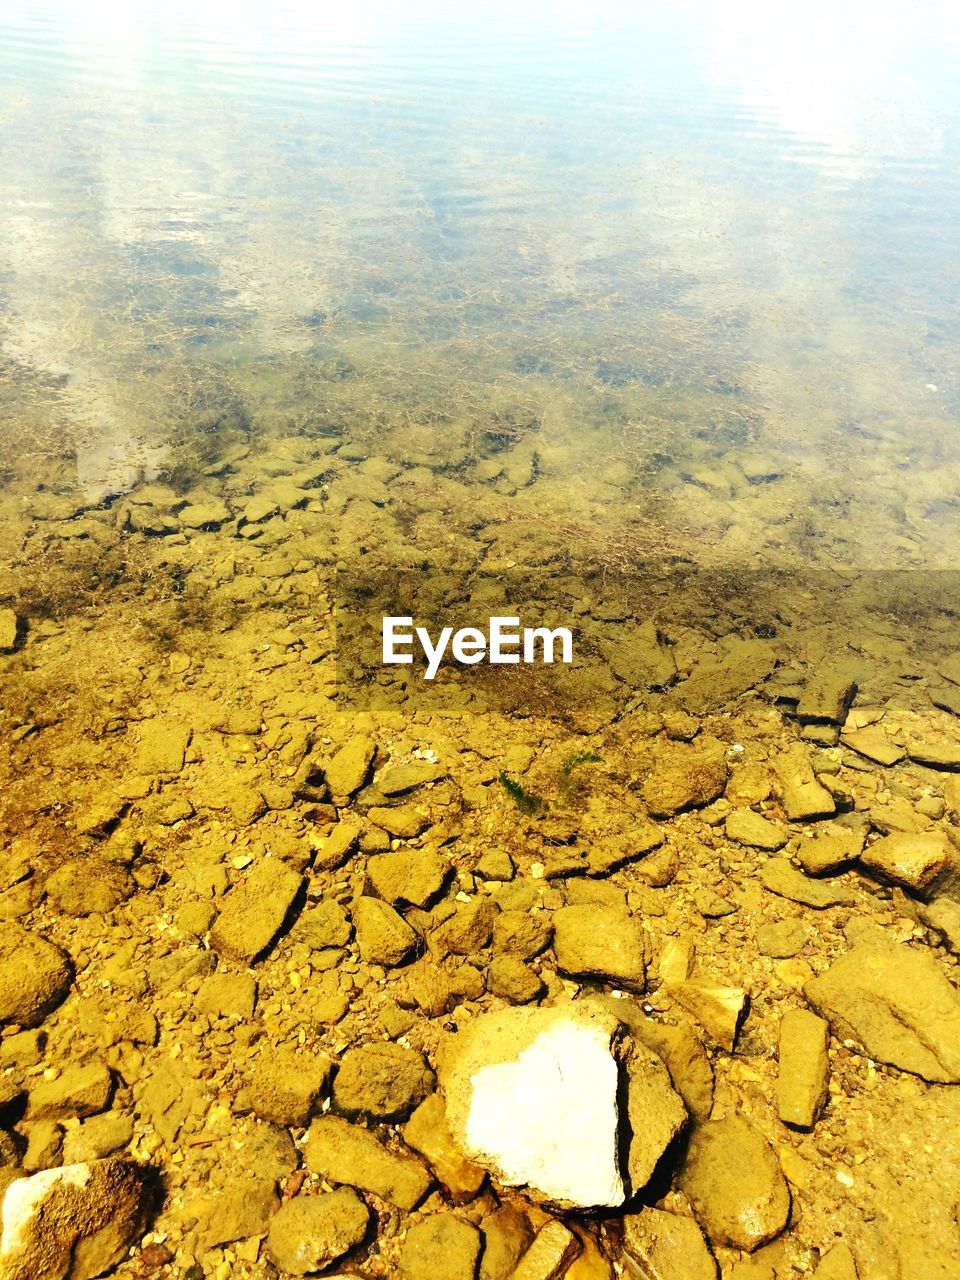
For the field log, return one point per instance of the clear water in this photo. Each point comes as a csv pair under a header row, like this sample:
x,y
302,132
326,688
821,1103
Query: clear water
x,y
699,260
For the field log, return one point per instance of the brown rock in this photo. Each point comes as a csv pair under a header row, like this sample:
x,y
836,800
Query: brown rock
x,y
600,941
255,911
72,1223
410,876
286,1085
911,859
79,1091
668,1246
685,777
511,980
734,1182
898,1004
441,1247
551,1253
802,1077
507,1235
35,975
427,1131
383,936
385,1081
345,1153
755,831
347,771
309,1233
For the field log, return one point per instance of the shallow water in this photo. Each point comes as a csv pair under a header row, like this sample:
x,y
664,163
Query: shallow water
x,y
700,264
636,319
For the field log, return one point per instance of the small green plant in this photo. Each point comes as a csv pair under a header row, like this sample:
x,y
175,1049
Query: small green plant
x,y
578,758
525,801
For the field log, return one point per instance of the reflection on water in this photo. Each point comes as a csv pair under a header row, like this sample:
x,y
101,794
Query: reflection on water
x,y
702,262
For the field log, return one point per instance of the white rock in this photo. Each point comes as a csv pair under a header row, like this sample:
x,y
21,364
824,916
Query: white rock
x,y
532,1096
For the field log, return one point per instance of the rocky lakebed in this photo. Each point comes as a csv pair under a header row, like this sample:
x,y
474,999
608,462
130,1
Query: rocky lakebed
x,y
296,978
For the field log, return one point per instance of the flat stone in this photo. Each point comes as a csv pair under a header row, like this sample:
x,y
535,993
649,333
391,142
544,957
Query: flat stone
x,y
938,754
734,1183
600,941
404,821
712,685
553,1250
384,1081
228,995
874,744
97,1137
401,778
668,1246
410,876
88,886
512,980
467,931
79,1091
802,795
162,748
72,1223
241,1210
524,934
507,1235
309,1233
285,1086
782,939
428,1132
334,849
35,975
718,1009
755,831
255,911
803,1067
9,630
323,926
348,1154
684,777
780,876
347,770
831,849
897,1003
911,859
209,514
441,1247
640,658
837,1264
826,696
383,936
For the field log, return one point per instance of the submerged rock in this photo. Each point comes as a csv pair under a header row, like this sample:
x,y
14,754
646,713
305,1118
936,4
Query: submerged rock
x,y
346,1153
9,630
309,1232
71,1223
685,777
898,1004
600,940
734,1182
35,975
802,1077
535,1097
668,1246
912,859
254,912
441,1247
